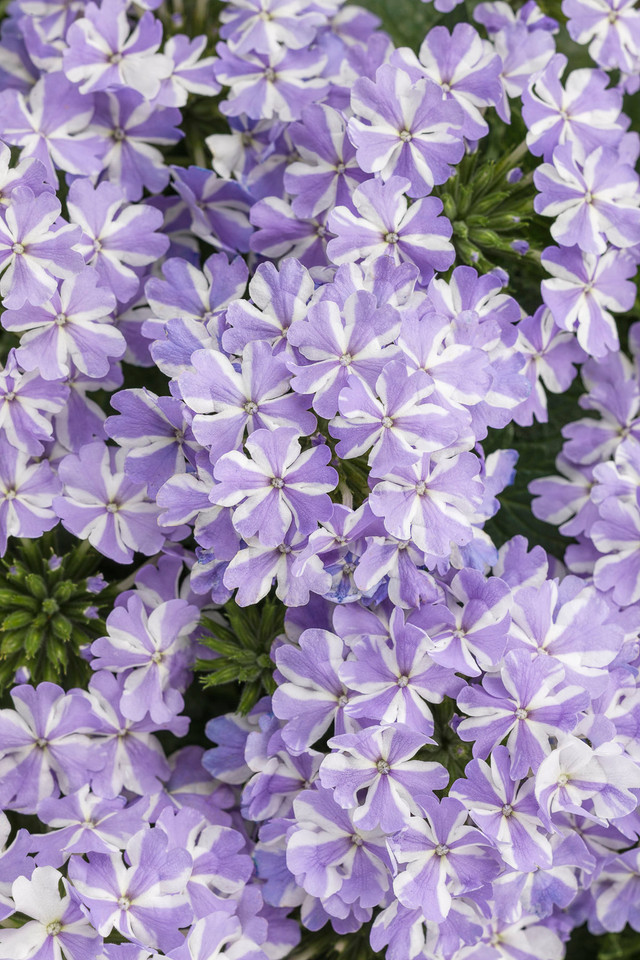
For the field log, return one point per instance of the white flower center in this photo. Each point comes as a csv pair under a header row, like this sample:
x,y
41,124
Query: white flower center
x,y
391,237
441,850
53,928
406,136
112,507
383,767
118,133
521,714
507,809
277,482
250,407
563,780
346,359
61,319
17,248
341,167
124,903
403,681
387,422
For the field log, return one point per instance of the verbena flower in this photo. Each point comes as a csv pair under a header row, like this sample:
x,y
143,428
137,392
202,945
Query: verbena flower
x,y
291,377
100,504
55,923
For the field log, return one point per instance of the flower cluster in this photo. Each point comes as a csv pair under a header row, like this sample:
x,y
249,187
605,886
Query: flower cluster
x,y
594,498
281,373
134,842
480,772
588,185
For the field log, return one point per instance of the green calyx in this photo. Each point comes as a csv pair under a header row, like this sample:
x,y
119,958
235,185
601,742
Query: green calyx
x,y
47,613
491,211
326,944
242,639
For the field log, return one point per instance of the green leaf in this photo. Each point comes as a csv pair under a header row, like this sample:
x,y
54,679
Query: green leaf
x,y
538,447
619,946
243,648
407,22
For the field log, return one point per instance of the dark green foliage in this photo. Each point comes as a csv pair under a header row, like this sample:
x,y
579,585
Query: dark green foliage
x,y
449,750
482,234
242,643
489,214
610,946
43,611
615,946
325,944
406,21
538,447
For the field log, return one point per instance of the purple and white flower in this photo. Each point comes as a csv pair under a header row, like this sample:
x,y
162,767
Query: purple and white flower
x,y
373,773
56,926
408,129
145,899
279,486
528,703
100,504
592,202
385,225
34,255
154,651
71,331
443,857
